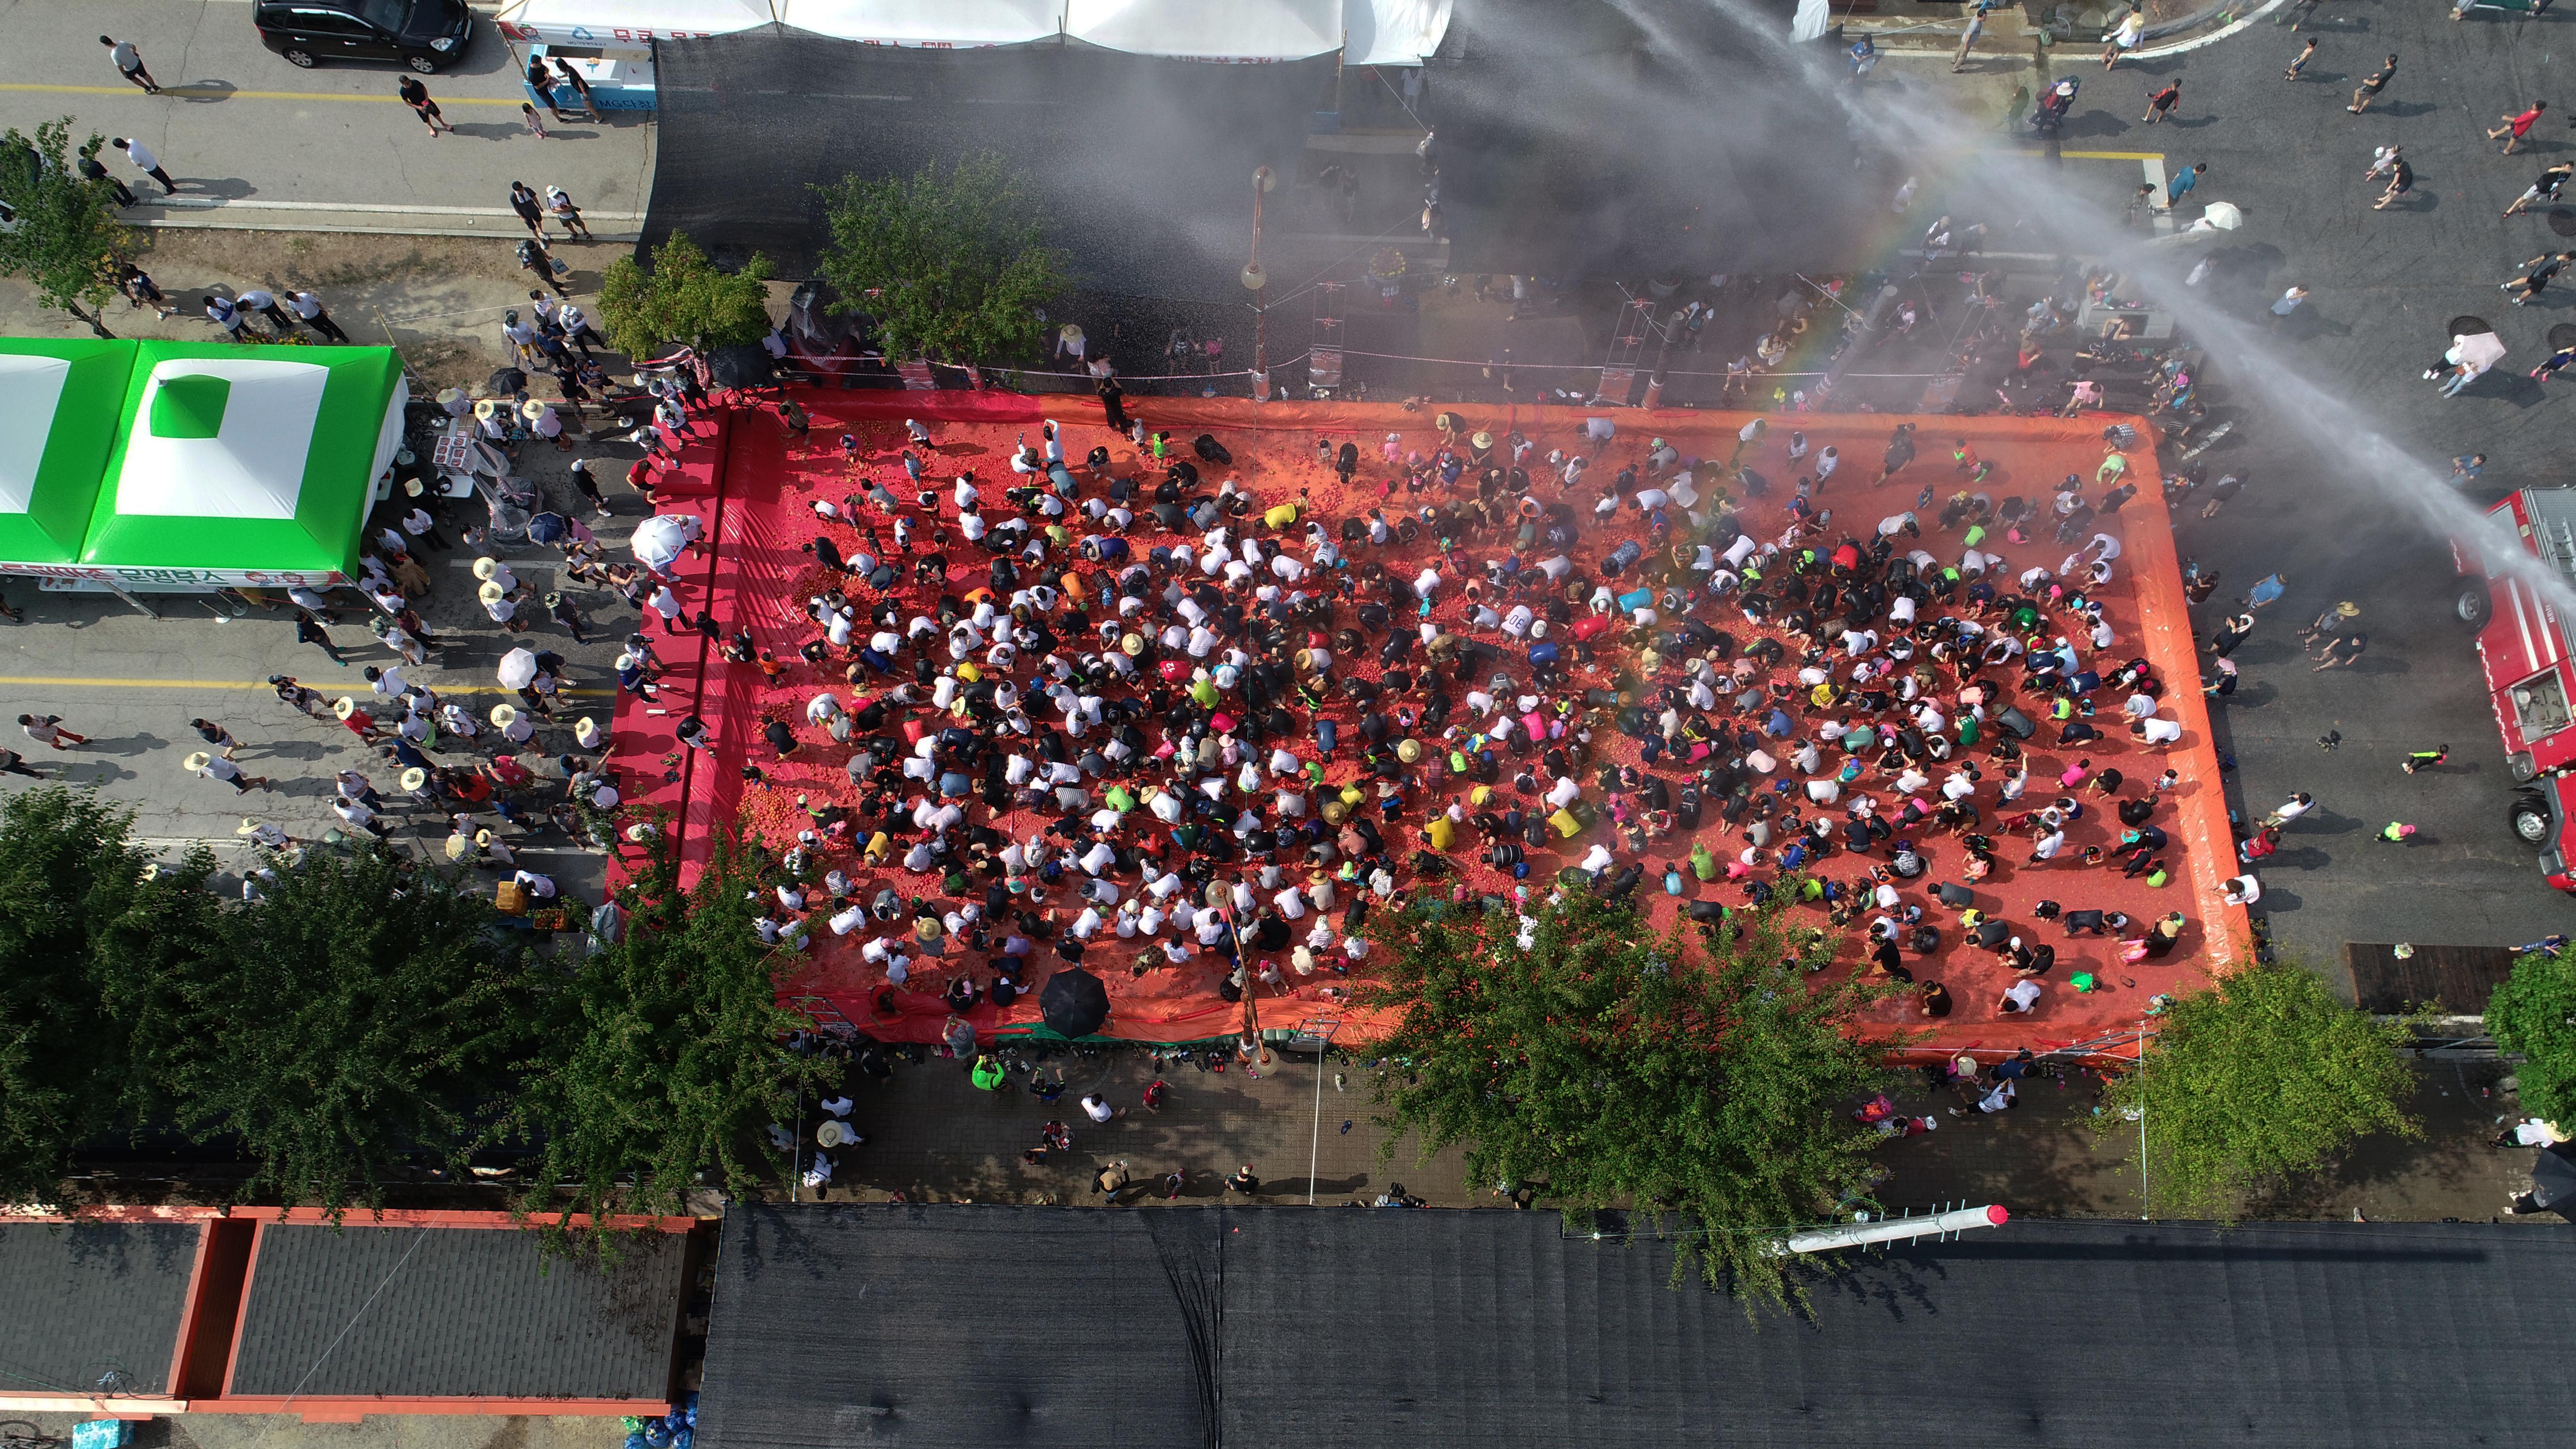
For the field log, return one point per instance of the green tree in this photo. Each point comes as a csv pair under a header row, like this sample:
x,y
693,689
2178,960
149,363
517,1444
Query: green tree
x,y
667,1060
2259,1076
2533,1014
75,911
360,1016
953,267
59,231
1705,1073
684,298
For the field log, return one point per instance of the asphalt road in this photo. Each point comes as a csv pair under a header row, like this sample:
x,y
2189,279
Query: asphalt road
x,y
2384,284
330,148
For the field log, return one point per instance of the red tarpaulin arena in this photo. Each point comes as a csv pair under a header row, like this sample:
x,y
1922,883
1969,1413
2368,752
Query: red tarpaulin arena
x,y
756,490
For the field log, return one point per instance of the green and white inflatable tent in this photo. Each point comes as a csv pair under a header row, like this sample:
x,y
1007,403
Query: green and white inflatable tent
x,y
160,465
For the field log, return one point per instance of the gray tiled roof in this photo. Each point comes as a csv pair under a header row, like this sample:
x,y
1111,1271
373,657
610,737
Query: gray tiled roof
x,y
469,1312
84,1301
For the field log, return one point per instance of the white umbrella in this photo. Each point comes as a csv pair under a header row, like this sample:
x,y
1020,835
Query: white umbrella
x,y
2219,216
2480,351
659,541
518,667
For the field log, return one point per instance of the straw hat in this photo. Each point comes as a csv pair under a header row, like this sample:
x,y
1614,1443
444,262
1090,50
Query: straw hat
x,y
2347,609
448,395
456,847
1305,658
1335,812
196,762
532,410
553,597
411,488
491,593
485,408
247,826
1482,439
344,706
504,716
1132,644
1965,1066
585,733
414,778
483,837
1408,751
486,566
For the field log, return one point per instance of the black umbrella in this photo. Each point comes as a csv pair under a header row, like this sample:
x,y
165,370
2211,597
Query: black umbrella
x,y
1075,1003
2553,1179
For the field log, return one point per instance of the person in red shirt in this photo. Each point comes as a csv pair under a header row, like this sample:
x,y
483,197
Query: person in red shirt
x,y
2515,128
510,773
360,723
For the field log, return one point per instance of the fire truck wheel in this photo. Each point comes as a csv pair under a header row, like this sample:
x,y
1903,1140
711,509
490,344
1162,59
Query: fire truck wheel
x,y
2474,603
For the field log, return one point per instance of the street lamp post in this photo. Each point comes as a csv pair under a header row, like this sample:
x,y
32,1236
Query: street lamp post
x,y
1259,281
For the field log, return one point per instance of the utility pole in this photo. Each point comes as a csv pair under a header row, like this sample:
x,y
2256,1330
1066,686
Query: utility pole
x,y
1259,281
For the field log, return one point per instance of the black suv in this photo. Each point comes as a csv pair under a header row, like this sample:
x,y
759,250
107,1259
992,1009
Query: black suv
x,y
427,35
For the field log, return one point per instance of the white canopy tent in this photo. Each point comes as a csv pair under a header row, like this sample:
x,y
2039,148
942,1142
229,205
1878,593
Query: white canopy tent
x,y
1370,32
927,22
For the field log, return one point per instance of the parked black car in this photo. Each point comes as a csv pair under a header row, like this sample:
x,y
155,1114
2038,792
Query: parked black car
x,y
427,35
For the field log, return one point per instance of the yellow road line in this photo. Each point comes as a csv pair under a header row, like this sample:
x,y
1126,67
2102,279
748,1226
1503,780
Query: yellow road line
x,y
206,93
48,681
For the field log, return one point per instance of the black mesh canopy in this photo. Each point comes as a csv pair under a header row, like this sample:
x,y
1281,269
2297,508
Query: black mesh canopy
x,y
1144,164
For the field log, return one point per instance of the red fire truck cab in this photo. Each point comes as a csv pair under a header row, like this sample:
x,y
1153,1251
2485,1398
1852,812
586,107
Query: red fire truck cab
x,y
2524,650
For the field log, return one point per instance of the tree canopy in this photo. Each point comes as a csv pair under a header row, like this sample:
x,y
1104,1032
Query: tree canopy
x,y
2533,1014
359,1015
59,231
75,910
667,1057
685,297
2259,1076
1705,1072
953,267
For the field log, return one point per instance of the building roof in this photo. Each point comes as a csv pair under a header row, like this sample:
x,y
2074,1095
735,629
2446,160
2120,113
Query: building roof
x,y
92,1307
432,1312
966,1327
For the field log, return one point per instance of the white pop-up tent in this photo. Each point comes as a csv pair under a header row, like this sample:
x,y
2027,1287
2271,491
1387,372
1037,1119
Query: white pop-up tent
x,y
1369,32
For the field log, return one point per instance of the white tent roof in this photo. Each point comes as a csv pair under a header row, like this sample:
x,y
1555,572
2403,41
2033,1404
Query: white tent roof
x,y
1376,32
249,465
915,22
1233,29
1394,32
660,17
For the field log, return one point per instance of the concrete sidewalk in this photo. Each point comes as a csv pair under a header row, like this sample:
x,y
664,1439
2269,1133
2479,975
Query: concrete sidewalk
x,y
934,1138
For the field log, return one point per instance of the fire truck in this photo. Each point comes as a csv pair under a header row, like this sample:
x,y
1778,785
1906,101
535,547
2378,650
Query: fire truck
x,y
2526,653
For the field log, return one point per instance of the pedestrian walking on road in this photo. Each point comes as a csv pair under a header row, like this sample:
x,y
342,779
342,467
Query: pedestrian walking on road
x,y
559,206
12,763
2371,86
2401,179
541,79
1968,42
129,64
2287,303
217,768
2545,189
2536,276
416,96
2517,126
2184,183
2425,759
2550,365
2300,61
141,291
2162,99
309,630
534,256
536,127
48,729
2124,37
145,162
532,211
89,168
580,87
2396,832
216,735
